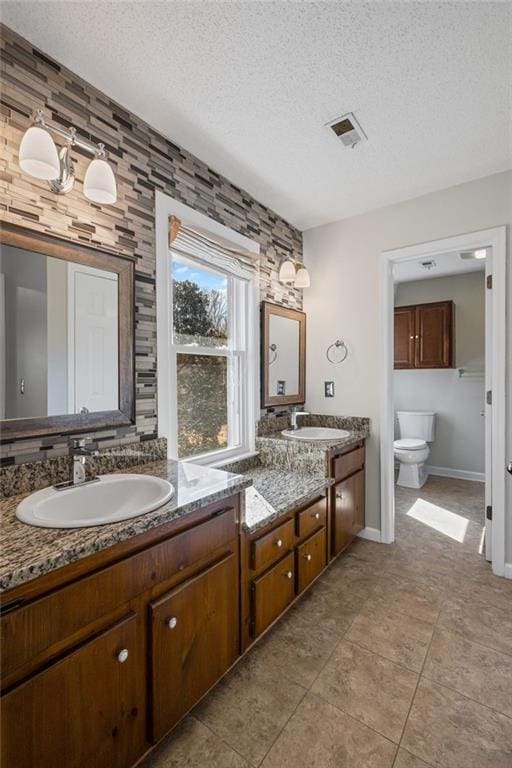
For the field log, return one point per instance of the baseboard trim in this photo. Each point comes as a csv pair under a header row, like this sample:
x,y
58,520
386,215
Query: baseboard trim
x,y
508,571
459,474
372,534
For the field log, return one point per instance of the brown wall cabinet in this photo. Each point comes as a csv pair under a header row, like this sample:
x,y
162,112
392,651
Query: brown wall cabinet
x,y
424,335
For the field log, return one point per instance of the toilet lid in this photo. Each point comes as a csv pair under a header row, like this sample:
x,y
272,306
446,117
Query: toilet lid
x,y
410,444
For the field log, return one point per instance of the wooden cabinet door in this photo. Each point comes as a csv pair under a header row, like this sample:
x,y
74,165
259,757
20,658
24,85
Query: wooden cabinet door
x,y
195,638
404,337
86,710
344,500
272,593
311,559
434,343
359,496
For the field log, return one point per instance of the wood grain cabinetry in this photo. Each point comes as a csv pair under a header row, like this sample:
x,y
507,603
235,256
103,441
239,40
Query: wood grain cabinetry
x,y
88,709
311,559
95,670
424,335
272,593
347,498
194,640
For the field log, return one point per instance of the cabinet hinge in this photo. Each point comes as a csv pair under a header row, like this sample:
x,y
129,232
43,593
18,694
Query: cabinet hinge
x,y
488,512
488,397
489,281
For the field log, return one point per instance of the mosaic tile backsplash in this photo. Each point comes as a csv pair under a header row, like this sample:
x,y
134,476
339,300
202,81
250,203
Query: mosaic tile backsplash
x,y
144,161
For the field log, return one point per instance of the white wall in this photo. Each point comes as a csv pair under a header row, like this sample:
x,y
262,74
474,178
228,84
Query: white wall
x,y
460,429
344,299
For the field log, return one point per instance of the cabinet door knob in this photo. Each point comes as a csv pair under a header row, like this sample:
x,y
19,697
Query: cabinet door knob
x,y
317,515
279,543
288,574
122,655
171,623
307,557
339,495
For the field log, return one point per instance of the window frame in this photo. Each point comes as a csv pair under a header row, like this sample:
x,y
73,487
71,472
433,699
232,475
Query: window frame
x,y
237,352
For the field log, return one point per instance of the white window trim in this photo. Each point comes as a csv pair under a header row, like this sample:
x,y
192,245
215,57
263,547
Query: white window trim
x,y
167,206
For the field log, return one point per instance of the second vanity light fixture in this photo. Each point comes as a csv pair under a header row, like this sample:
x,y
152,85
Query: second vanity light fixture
x,y
288,273
38,156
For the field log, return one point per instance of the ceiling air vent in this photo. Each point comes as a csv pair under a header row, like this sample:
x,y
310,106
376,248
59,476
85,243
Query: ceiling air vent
x,y
348,130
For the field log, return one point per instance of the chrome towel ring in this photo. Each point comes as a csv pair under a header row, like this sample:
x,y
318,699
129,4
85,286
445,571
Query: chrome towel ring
x,y
338,349
273,348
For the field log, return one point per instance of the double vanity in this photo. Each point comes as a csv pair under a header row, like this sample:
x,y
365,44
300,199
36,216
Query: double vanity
x,y
111,633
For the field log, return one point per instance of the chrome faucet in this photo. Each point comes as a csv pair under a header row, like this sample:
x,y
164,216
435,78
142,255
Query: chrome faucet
x,y
294,412
79,452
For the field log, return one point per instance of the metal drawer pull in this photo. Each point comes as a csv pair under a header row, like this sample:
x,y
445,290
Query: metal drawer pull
x,y
279,543
307,557
288,574
317,515
122,655
171,623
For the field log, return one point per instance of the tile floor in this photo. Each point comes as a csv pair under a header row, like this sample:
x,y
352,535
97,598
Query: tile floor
x,y
398,657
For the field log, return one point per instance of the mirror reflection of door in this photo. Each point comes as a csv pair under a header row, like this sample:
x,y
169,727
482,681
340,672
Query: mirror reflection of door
x,y
284,340
58,336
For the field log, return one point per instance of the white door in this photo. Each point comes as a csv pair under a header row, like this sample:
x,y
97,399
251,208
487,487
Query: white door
x,y
93,371
488,406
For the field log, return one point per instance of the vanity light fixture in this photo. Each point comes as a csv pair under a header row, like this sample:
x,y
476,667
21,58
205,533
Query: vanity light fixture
x,y
38,157
288,273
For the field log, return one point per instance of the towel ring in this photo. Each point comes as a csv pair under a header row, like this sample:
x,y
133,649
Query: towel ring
x,y
273,348
337,345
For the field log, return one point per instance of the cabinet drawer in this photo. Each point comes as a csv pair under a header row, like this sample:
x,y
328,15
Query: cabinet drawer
x,y
88,709
311,559
311,518
272,592
268,548
194,640
51,624
348,463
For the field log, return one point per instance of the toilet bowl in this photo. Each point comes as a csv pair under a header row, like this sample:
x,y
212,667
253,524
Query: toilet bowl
x,y
412,449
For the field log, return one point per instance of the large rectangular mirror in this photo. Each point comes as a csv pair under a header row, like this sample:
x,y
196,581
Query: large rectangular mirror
x,y
66,336
283,355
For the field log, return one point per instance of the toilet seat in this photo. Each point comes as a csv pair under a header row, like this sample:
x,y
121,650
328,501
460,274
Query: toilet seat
x,y
410,444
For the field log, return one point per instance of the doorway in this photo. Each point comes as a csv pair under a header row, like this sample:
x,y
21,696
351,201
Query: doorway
x,y
492,503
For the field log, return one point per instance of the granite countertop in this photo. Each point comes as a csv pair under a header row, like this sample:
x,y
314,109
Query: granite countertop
x,y
322,445
28,551
276,492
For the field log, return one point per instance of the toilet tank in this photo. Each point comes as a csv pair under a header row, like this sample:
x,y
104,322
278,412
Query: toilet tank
x,y
416,424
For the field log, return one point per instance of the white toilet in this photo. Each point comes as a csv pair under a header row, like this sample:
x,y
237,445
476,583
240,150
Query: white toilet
x,y
412,450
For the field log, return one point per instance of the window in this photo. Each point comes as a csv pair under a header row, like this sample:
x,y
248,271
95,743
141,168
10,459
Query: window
x,y
210,344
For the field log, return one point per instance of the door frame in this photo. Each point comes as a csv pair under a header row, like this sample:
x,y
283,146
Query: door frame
x,y
496,239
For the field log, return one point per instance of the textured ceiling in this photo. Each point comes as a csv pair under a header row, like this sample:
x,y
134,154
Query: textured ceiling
x,y
248,87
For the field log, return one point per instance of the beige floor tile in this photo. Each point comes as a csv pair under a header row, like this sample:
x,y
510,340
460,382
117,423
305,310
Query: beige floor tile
x,y
368,687
409,597
474,670
249,707
404,759
193,745
321,736
449,730
481,623
400,638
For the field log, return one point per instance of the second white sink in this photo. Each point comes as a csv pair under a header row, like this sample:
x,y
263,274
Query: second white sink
x,y
111,499
315,433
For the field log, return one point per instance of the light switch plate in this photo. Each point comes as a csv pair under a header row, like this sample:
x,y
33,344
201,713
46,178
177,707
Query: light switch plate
x,y
329,388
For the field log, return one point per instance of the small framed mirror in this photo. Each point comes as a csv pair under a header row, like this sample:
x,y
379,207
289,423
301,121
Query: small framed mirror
x,y
66,336
283,336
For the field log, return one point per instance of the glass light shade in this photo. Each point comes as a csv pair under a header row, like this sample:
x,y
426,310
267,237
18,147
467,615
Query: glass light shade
x,y
100,182
38,154
287,272
302,278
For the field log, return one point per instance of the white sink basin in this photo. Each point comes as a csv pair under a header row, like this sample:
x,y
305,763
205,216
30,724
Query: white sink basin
x,y
110,499
315,433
